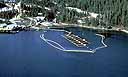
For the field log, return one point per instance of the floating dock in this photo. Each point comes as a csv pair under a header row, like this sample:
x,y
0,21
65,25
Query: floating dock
x,y
9,31
76,40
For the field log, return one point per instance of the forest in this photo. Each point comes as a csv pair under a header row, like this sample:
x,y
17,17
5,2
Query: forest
x,y
111,12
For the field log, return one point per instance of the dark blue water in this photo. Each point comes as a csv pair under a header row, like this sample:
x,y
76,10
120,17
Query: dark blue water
x,y
26,55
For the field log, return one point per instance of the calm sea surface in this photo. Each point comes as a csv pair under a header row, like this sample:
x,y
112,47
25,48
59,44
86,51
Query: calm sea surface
x,y
25,54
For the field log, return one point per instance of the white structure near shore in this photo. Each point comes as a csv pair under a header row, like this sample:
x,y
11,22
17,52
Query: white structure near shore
x,y
7,27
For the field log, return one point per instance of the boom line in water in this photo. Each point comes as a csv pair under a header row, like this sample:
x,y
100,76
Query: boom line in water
x,y
47,41
63,49
102,41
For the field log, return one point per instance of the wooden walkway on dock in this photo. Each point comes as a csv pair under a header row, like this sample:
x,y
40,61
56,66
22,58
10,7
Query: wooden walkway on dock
x,y
76,40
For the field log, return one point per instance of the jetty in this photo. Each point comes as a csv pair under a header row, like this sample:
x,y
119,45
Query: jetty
x,y
9,31
76,40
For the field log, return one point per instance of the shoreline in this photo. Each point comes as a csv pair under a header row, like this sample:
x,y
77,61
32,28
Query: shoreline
x,y
105,29
65,25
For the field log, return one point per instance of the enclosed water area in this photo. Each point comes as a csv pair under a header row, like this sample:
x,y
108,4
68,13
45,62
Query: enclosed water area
x,y
64,45
26,54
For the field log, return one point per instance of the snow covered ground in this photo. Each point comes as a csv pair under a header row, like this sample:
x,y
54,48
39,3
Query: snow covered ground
x,y
5,9
76,9
94,15
46,8
91,14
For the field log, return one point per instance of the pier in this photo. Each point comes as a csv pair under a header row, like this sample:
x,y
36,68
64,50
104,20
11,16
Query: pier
x,y
76,40
2,30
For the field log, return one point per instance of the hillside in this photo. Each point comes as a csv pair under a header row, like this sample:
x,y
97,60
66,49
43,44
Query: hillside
x,y
87,12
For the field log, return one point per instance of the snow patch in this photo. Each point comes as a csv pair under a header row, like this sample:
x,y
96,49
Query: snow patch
x,y
5,9
46,24
91,14
46,8
80,21
94,15
76,9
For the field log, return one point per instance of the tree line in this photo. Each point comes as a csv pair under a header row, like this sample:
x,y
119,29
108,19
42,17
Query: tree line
x,y
114,12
